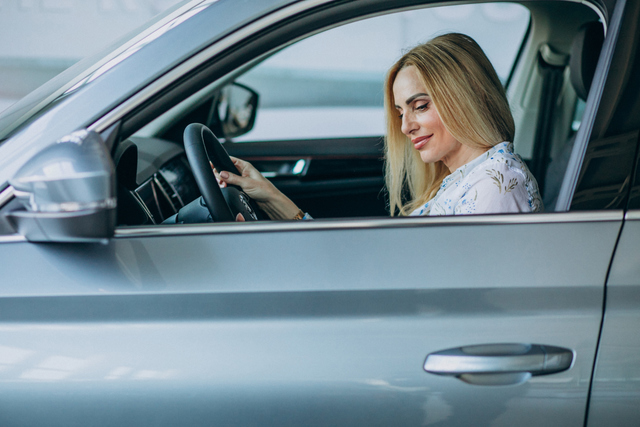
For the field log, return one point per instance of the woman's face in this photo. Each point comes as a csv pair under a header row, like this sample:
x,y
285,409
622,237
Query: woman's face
x,y
422,124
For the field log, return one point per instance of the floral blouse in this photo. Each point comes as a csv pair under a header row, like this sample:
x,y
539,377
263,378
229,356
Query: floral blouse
x,y
497,181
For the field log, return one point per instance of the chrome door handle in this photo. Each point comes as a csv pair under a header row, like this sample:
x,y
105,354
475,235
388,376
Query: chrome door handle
x,y
499,364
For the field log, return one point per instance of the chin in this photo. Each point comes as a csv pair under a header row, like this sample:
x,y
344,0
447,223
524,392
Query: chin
x,y
427,157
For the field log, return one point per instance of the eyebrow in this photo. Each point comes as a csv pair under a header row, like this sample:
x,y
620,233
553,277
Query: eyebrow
x,y
413,98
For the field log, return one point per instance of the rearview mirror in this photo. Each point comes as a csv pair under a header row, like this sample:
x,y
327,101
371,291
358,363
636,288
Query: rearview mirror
x,y
234,111
67,192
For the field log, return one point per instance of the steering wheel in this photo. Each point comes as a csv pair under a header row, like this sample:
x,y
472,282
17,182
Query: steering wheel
x,y
202,147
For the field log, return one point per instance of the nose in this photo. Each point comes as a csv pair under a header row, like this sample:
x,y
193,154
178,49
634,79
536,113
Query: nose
x,y
408,124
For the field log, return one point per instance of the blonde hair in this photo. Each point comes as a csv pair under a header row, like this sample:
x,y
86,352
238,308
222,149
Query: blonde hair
x,y
472,105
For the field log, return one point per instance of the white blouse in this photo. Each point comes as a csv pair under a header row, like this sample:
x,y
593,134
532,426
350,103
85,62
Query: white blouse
x,y
497,181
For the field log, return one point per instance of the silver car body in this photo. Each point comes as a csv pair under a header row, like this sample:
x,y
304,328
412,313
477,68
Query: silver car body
x,y
324,322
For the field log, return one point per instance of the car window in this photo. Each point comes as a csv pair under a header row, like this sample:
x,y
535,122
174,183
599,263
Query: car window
x,y
330,85
320,118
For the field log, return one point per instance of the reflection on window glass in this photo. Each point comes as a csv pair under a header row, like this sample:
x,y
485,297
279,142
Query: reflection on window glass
x,y
330,85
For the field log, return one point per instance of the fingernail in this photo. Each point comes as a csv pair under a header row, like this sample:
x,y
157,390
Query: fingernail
x,y
224,175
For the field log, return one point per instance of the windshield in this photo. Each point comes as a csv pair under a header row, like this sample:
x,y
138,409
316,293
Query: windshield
x,y
88,69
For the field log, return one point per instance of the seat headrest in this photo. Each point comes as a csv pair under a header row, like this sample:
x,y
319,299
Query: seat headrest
x,y
585,52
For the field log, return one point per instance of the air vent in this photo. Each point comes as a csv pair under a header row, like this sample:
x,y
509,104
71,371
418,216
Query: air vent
x,y
169,192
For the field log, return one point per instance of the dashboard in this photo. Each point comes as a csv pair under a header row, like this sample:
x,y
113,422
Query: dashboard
x,y
154,180
328,178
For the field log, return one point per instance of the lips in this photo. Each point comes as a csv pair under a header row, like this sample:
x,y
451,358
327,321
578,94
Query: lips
x,y
420,141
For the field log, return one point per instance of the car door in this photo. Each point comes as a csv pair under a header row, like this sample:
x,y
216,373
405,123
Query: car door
x,y
324,322
314,323
614,394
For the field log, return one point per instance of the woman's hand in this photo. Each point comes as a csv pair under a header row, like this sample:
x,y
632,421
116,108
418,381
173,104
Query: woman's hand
x,y
251,181
260,189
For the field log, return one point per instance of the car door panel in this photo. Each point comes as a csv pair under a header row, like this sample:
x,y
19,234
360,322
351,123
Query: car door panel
x,y
339,177
303,323
314,323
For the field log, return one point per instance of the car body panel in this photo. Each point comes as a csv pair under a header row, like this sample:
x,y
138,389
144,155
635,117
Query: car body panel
x,y
326,339
616,379
325,322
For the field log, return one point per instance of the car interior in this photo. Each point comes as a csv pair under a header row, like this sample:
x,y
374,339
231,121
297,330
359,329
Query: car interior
x,y
341,175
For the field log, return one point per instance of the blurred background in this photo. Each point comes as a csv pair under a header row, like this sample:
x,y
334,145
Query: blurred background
x,y
41,38
329,85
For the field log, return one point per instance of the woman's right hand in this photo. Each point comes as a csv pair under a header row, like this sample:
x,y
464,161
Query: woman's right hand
x,y
259,188
250,180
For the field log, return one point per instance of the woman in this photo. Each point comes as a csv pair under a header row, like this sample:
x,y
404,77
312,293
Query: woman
x,y
448,147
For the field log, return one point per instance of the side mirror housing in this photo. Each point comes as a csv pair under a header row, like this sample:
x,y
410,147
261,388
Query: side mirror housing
x,y
234,111
67,192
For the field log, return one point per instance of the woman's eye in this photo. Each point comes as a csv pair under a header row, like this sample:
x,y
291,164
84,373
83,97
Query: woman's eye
x,y
422,106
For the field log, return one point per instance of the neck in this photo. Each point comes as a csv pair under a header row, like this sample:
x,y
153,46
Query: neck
x,y
462,156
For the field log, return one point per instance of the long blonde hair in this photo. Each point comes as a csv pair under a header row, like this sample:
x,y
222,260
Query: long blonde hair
x,y
472,105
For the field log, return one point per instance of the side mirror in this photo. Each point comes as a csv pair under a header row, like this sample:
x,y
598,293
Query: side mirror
x,y
67,191
234,111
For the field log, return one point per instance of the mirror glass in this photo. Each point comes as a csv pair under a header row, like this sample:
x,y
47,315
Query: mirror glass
x,y
235,110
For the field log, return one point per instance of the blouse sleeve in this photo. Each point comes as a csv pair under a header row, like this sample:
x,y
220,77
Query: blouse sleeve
x,y
496,188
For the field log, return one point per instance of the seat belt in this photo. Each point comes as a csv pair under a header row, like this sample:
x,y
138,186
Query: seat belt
x,y
551,66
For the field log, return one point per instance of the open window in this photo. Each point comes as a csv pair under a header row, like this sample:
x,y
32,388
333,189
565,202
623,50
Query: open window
x,y
318,124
